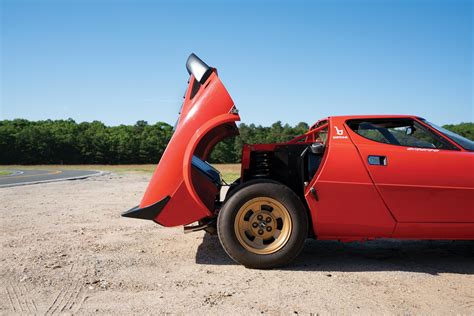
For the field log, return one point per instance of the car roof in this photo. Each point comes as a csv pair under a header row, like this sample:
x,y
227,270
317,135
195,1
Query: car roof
x,y
352,117
358,117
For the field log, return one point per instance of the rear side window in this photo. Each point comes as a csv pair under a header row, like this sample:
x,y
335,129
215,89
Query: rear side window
x,y
322,136
401,132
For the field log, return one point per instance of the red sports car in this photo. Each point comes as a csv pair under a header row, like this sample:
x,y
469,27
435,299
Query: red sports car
x,y
348,178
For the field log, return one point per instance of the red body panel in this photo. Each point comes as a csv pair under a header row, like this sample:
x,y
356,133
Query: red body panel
x,y
422,185
461,231
211,108
349,204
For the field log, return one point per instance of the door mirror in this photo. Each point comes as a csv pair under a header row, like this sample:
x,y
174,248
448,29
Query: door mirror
x,y
317,148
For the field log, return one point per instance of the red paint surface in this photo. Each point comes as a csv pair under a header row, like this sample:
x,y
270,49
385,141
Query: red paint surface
x,y
210,108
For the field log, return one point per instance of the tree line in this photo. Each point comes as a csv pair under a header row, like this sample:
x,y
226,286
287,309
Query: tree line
x,y
67,142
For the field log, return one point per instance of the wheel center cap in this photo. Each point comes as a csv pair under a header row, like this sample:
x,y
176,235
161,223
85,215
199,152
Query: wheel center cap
x,y
263,225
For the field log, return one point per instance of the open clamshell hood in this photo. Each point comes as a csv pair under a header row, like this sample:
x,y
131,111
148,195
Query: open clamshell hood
x,y
174,197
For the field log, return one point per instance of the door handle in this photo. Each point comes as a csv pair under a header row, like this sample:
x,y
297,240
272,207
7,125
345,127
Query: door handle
x,y
377,160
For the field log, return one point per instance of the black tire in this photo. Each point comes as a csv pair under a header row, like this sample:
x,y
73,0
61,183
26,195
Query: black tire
x,y
263,189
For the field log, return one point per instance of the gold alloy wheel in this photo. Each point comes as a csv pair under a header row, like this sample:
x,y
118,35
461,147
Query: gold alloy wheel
x,y
263,226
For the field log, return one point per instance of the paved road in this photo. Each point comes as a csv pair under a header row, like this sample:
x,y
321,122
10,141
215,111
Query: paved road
x,y
23,177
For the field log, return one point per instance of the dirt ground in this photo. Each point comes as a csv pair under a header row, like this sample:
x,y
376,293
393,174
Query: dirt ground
x,y
65,249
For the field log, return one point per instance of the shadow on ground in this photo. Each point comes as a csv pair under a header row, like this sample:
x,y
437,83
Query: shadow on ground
x,y
432,257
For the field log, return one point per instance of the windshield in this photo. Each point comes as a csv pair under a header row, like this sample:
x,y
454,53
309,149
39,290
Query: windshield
x,y
463,142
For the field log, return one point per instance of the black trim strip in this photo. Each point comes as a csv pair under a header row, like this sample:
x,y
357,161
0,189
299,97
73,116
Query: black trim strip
x,y
149,212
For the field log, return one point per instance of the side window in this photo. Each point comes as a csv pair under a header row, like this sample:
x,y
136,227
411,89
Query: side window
x,y
373,134
401,132
416,135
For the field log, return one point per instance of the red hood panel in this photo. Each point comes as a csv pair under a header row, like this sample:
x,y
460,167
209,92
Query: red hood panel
x,y
206,119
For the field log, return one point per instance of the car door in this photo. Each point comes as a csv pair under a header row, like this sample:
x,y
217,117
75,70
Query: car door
x,y
422,177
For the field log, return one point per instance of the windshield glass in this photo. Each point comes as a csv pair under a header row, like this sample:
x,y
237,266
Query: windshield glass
x,y
463,142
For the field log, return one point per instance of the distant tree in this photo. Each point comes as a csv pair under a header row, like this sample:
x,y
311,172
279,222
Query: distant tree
x,y
68,142
464,129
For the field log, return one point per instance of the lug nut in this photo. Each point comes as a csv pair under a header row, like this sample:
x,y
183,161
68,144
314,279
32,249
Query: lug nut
x,y
260,231
259,217
268,220
269,229
254,225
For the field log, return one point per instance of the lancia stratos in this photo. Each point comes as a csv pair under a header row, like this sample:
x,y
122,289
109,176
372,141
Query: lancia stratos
x,y
348,178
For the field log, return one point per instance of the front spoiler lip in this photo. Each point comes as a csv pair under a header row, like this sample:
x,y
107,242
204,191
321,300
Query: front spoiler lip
x,y
150,212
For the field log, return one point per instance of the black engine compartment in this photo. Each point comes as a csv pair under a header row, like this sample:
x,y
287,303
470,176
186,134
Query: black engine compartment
x,y
293,165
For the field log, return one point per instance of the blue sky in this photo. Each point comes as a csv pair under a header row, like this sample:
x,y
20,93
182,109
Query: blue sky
x,y
123,61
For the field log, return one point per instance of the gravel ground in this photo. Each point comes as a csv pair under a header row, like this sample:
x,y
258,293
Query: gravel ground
x,y
65,249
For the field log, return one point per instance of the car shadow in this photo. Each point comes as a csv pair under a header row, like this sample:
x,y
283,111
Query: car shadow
x,y
432,257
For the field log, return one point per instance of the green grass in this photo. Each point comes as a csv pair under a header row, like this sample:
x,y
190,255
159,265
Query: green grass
x,y
230,177
230,172
5,173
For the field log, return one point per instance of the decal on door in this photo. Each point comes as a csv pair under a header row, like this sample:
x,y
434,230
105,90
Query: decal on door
x,y
339,133
423,149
